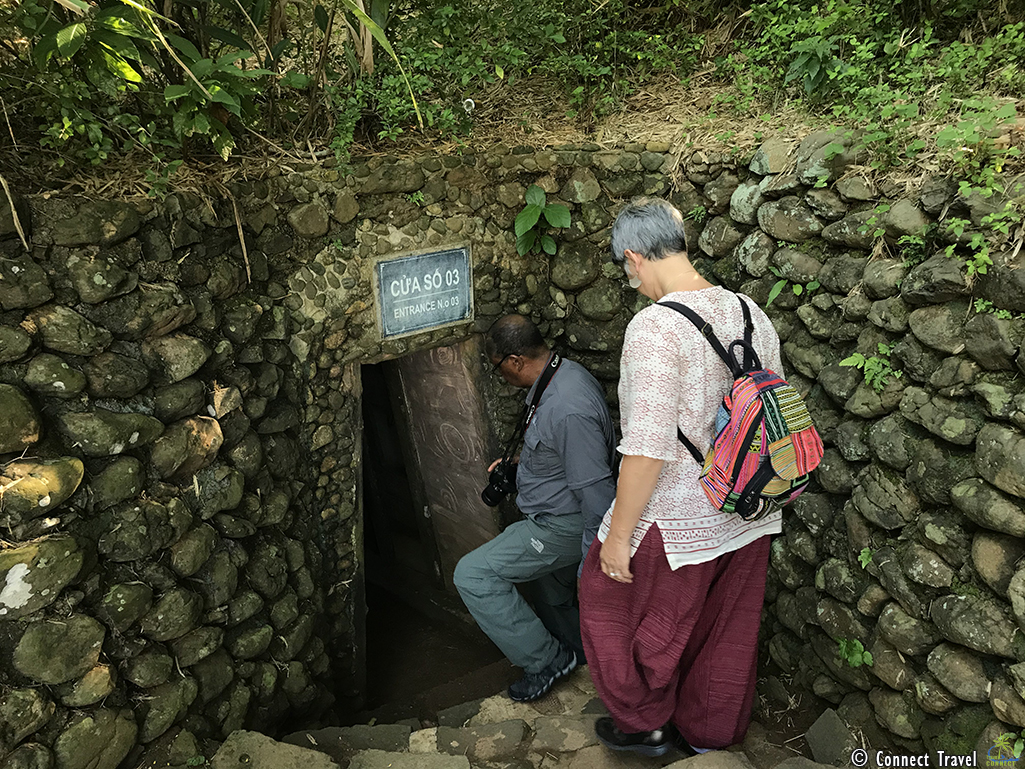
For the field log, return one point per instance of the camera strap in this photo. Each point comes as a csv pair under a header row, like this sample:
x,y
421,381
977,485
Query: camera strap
x,y
554,361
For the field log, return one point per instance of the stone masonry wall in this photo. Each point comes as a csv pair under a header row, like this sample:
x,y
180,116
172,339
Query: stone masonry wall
x,y
180,431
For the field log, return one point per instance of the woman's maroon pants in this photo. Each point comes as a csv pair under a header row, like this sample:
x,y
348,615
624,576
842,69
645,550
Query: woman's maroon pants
x,y
679,645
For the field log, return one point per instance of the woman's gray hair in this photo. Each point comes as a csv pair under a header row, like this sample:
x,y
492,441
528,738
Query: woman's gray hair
x,y
650,226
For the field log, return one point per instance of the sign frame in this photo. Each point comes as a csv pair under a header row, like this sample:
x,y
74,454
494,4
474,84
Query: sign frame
x,y
379,266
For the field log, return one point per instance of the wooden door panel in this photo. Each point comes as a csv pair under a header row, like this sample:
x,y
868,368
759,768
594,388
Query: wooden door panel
x,y
447,434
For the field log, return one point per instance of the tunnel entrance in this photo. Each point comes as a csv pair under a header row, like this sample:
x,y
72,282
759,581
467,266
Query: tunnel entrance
x,y
398,546
423,466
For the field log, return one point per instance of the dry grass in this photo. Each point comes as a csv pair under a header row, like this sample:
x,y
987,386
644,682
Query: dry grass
x,y
531,112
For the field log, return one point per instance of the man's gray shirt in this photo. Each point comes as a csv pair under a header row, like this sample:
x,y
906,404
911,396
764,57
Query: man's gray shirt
x,y
568,451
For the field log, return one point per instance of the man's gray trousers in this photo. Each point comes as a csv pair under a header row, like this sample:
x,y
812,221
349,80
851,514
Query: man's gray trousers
x,y
544,550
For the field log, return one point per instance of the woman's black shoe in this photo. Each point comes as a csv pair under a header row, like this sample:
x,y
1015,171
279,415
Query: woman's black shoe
x,y
654,743
680,742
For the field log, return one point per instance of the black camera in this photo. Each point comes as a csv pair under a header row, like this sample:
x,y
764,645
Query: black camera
x,y
501,482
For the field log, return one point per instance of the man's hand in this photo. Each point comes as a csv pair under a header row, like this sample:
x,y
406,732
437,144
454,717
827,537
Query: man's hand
x,y
615,559
493,465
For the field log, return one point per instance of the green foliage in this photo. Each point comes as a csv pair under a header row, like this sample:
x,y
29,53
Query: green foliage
x,y
853,653
865,557
964,588
884,67
109,77
798,288
159,176
698,214
814,63
915,249
995,228
91,81
971,141
984,305
872,224
99,79
977,260
529,235
215,82
877,368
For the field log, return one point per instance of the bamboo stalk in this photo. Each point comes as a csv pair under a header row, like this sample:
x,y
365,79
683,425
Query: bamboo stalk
x,y
14,214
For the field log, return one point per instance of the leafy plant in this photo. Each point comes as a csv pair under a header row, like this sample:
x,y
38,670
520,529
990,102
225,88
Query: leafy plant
x,y
159,177
698,215
865,557
873,222
877,368
971,140
815,63
217,90
853,653
986,306
529,235
977,261
797,288
915,249
416,197
995,227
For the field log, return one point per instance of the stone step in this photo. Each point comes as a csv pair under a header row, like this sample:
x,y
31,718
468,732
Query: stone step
x,y
341,743
380,759
253,750
555,732
429,704
479,743
716,759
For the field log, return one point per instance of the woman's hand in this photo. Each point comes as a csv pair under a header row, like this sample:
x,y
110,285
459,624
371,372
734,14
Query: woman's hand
x,y
615,559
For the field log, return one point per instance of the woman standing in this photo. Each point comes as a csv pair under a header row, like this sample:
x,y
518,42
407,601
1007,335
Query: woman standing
x,y
672,589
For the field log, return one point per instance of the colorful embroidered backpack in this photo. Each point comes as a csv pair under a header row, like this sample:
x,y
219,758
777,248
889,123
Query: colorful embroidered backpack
x,y
765,444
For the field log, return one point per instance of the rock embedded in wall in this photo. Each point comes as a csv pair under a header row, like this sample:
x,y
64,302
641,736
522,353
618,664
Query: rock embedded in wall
x,y
34,487
23,284
34,574
1000,458
53,652
789,219
103,433
719,237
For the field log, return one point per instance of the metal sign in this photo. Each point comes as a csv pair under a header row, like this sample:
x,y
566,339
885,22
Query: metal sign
x,y
423,291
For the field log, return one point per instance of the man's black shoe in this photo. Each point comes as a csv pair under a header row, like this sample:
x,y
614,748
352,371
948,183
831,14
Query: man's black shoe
x,y
653,743
534,686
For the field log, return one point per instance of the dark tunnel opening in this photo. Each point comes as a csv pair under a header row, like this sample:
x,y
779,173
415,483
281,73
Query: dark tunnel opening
x,y
423,651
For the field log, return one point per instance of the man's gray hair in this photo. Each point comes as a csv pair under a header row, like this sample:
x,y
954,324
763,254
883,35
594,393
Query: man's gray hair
x,y
650,226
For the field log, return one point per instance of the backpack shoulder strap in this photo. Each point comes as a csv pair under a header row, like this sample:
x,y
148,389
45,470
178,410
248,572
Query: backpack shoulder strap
x,y
707,331
749,331
690,447
749,326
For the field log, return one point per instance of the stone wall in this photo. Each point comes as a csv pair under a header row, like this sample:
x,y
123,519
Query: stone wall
x,y
163,573
909,540
180,431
